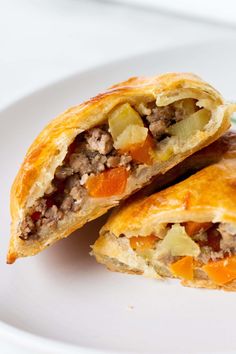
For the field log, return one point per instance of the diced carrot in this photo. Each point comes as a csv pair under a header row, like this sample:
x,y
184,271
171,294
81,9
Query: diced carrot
x,y
232,263
108,183
192,227
223,271
141,243
183,268
143,152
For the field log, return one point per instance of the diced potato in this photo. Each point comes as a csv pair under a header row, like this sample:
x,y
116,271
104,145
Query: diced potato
x,y
133,134
178,243
121,117
190,125
187,106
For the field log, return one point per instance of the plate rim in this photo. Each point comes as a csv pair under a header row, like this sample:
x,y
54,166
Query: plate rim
x,y
226,38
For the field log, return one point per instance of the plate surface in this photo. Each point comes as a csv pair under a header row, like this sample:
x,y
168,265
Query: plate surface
x,y
63,294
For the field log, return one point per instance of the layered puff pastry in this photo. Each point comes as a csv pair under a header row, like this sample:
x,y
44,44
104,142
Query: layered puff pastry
x,y
187,231
98,153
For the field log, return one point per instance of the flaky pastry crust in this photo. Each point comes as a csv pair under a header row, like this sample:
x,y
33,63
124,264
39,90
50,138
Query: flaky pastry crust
x,y
50,147
208,195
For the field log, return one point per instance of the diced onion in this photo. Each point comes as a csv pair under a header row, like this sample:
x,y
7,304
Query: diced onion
x,y
178,243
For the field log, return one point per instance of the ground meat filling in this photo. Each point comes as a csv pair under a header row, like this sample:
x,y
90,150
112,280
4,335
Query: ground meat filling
x,y
162,117
91,153
218,242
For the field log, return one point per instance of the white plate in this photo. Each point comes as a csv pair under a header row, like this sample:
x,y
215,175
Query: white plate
x,y
63,295
213,10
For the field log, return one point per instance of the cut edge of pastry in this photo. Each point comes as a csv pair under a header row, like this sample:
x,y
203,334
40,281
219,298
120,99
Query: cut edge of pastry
x,y
187,231
113,265
126,260
51,148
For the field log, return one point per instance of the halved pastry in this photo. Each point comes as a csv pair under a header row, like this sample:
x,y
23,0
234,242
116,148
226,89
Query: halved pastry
x,y
98,153
187,231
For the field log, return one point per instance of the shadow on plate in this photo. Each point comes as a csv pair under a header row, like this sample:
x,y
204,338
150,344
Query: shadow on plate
x,y
73,251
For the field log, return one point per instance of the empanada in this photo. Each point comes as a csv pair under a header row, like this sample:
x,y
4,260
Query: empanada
x,y
98,153
186,231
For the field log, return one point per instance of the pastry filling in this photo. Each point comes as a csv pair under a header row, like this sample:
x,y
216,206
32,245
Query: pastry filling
x,y
189,250
100,161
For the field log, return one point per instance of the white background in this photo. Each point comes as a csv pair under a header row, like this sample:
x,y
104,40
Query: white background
x,y
44,40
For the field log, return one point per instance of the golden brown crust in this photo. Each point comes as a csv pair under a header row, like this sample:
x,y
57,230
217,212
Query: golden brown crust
x,y
50,147
205,196
63,129
207,284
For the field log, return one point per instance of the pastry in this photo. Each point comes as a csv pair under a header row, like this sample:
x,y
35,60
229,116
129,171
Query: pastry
x,y
98,153
187,231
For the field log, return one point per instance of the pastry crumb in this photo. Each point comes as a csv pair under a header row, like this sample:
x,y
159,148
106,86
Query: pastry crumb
x,y
130,307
